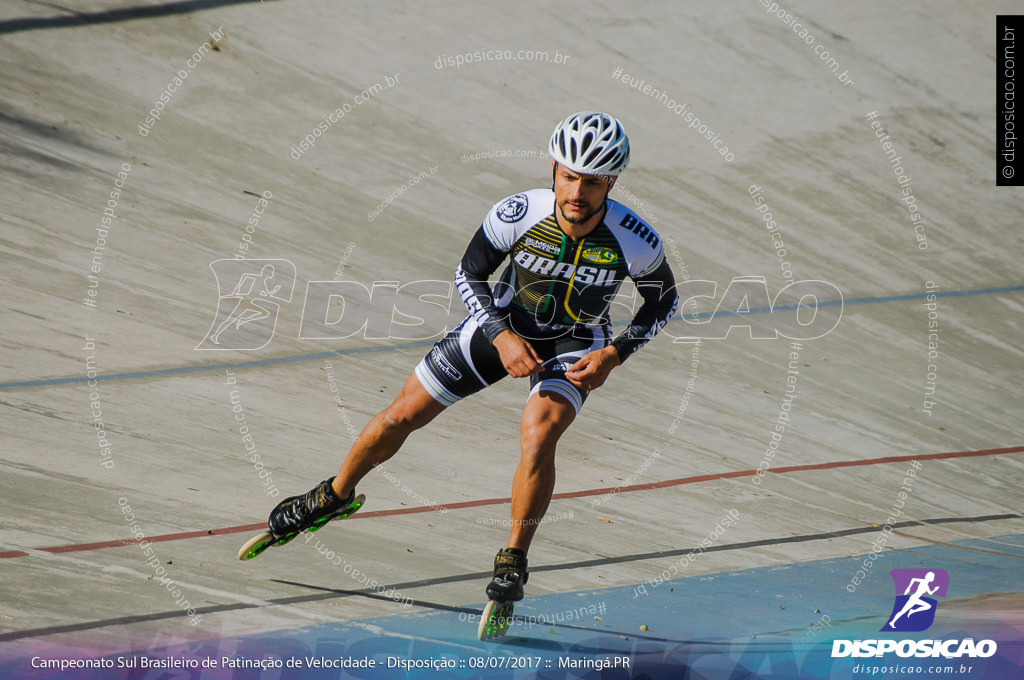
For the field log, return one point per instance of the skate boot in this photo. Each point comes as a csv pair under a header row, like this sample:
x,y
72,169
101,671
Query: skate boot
x,y
312,510
510,576
504,590
294,515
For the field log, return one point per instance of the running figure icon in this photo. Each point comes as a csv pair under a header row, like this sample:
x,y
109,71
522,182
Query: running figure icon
x,y
249,308
250,296
915,604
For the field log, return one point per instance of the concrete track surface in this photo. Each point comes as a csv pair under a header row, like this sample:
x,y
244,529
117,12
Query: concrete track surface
x,y
364,142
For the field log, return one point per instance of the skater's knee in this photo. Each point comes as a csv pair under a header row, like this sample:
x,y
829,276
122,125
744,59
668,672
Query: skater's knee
x,y
539,435
544,421
401,417
538,445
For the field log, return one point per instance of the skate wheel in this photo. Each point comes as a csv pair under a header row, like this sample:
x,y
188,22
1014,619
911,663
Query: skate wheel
x,y
256,545
496,620
357,503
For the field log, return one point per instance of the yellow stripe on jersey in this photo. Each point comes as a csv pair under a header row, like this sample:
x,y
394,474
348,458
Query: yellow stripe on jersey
x,y
572,280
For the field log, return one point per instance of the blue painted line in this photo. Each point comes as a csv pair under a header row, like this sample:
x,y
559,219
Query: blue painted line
x,y
862,301
181,370
275,361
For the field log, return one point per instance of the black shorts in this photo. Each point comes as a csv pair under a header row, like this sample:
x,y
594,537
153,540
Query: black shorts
x,y
464,362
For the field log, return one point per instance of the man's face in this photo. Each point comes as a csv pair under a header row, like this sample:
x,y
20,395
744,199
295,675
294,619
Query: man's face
x,y
580,197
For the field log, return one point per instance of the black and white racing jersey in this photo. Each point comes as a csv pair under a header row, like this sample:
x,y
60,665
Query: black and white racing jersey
x,y
553,283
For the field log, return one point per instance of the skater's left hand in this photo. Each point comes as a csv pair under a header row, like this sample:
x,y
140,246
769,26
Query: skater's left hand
x,y
592,370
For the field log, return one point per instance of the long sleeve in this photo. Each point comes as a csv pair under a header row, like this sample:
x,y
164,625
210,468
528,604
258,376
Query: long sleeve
x,y
660,302
481,260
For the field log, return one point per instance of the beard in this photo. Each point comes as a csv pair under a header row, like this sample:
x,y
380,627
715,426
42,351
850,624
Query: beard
x,y
580,220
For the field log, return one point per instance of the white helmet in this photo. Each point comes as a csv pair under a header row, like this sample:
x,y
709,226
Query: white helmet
x,y
590,143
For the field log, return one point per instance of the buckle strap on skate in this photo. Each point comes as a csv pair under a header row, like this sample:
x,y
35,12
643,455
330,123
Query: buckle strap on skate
x,y
511,560
324,496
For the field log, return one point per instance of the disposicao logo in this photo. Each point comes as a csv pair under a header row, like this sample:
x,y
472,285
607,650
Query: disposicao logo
x,y
914,611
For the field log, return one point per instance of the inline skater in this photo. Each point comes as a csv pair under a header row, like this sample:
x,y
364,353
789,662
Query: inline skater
x,y
567,249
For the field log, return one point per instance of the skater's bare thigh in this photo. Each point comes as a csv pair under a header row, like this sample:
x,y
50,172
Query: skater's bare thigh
x,y
413,407
385,433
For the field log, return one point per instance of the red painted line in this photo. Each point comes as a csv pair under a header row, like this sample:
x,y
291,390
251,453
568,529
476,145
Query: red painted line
x,y
792,468
569,494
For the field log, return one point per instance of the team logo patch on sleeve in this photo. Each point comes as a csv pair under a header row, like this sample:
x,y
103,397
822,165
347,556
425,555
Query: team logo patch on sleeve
x,y
513,208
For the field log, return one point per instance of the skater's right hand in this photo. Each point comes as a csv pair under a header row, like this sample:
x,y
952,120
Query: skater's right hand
x,y
517,355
